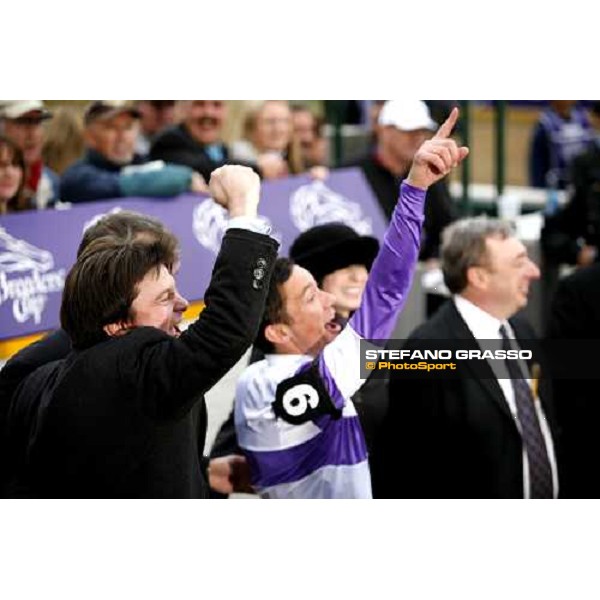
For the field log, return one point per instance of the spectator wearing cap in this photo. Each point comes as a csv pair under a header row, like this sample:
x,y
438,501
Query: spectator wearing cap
x,y
197,141
155,116
22,121
110,167
403,125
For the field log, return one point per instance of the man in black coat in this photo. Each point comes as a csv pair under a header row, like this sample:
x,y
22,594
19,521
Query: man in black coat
x,y
119,416
57,345
575,316
471,436
197,141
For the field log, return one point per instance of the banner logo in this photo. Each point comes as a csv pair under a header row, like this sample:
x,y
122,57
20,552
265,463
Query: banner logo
x,y
316,204
27,276
210,222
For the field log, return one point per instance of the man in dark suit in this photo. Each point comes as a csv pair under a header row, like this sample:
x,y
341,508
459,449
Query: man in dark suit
x,y
483,434
119,417
575,315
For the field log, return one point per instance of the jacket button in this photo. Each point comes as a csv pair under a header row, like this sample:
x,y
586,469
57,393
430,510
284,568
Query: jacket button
x,y
261,263
257,285
258,273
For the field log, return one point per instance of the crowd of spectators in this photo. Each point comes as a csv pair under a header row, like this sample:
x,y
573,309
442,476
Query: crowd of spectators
x,y
63,145
99,151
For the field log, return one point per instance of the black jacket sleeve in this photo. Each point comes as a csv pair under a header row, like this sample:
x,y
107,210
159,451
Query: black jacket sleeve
x,y
168,374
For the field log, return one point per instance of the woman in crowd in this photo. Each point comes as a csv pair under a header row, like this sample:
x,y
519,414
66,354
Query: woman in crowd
x,y
63,143
12,168
269,141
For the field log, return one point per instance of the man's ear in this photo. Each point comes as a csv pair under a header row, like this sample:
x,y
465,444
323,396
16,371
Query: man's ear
x,y
276,333
117,329
476,277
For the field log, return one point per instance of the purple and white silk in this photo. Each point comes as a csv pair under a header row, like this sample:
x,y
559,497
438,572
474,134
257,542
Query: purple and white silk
x,y
327,457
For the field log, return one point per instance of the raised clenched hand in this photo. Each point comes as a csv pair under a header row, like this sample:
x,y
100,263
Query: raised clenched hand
x,y
237,189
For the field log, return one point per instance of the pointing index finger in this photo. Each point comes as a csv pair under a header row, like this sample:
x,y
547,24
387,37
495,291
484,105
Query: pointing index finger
x,y
447,126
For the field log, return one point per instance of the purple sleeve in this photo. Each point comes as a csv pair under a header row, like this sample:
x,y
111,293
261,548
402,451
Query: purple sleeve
x,y
384,296
392,272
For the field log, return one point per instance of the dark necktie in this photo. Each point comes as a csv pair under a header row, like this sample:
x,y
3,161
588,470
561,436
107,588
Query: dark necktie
x,y
540,473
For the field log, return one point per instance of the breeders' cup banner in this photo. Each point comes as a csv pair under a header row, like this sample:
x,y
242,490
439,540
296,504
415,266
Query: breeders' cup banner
x,y
37,248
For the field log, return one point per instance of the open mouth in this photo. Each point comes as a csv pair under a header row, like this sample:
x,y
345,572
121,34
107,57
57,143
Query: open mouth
x,y
336,324
207,123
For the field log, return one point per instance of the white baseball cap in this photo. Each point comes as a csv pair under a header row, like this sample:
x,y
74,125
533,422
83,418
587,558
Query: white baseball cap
x,y
407,115
15,109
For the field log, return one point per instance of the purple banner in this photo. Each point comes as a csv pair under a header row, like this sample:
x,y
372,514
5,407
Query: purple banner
x,y
38,248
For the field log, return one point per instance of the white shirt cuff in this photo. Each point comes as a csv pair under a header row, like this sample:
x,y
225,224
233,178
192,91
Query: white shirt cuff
x,y
255,224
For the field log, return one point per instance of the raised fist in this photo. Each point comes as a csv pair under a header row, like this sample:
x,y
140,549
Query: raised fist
x,y
437,157
237,189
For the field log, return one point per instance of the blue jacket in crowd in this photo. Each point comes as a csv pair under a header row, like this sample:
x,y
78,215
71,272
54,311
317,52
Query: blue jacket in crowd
x,y
96,178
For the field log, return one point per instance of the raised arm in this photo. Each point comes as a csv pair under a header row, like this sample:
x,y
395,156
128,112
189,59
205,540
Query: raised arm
x,y
179,370
392,272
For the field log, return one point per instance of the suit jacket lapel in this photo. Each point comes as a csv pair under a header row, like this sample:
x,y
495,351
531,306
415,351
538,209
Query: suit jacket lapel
x,y
461,331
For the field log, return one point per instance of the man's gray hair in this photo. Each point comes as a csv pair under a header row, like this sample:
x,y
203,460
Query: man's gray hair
x,y
464,246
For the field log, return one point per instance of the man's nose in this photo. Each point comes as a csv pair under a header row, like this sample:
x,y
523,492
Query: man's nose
x,y
30,131
534,271
356,273
328,299
181,304
210,111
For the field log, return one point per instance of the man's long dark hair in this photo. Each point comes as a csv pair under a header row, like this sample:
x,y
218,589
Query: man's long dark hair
x,y
128,225
102,285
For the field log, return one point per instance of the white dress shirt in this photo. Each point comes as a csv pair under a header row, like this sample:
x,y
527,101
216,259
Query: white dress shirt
x,y
484,326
